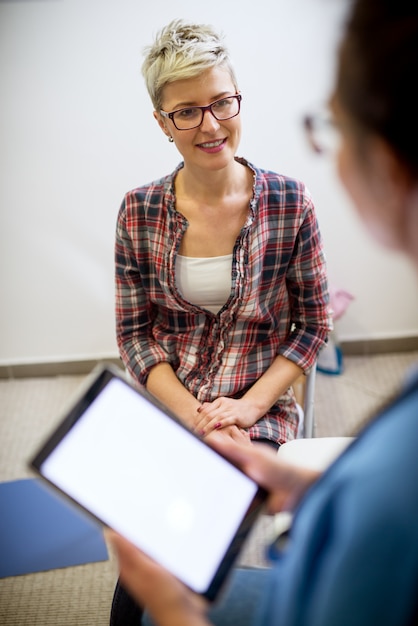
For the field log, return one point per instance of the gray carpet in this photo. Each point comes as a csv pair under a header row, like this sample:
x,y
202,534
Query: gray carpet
x,y
81,596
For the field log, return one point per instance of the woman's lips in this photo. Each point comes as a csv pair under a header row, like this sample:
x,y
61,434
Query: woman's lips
x,y
212,146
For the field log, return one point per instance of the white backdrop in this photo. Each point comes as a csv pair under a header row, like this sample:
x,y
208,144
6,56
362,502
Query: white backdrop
x,y
77,132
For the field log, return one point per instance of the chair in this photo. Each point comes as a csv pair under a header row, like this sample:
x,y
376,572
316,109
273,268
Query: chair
x,y
307,450
304,388
315,453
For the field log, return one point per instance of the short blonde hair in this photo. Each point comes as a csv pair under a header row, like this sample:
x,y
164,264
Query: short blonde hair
x,y
182,50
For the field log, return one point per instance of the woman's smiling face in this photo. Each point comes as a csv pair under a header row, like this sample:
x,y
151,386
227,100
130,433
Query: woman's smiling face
x,y
213,144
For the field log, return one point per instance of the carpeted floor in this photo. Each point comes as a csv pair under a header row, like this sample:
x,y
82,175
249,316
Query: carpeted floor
x,y
81,596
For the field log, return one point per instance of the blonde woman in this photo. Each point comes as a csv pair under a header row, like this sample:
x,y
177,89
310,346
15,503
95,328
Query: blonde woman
x,y
221,284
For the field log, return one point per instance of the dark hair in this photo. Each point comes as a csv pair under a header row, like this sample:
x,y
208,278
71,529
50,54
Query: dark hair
x,y
377,72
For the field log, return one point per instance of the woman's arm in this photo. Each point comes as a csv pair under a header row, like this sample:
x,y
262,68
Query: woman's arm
x,y
277,379
307,286
134,311
164,385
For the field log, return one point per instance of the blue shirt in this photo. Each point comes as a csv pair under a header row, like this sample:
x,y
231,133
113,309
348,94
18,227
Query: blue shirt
x,y
353,552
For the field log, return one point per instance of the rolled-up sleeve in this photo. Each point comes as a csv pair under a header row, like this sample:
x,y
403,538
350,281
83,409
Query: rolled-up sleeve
x,y
133,308
307,286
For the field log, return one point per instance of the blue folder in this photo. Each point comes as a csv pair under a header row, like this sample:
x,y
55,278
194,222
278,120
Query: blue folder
x,y
40,531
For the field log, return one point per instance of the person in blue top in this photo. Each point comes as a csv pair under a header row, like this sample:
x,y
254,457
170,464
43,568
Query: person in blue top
x,y
352,555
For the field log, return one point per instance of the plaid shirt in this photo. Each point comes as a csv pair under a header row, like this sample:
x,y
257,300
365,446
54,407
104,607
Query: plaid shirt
x,y
278,302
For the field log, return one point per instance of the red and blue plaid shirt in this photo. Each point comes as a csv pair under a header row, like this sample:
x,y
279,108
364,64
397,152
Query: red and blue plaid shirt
x,y
278,304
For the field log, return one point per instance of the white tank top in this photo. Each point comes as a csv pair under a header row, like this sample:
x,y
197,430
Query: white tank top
x,y
204,281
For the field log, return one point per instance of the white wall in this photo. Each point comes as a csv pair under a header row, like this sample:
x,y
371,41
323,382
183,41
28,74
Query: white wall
x,y
77,132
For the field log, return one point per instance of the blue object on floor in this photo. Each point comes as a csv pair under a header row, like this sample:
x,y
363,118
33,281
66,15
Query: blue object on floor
x,y
330,357
40,531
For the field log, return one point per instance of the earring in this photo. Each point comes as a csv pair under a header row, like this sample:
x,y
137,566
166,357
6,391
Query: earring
x,y
170,139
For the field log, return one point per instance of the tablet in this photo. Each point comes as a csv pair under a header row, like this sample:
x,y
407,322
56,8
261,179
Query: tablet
x,y
131,464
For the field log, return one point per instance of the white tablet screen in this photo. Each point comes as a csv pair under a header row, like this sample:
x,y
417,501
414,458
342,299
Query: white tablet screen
x,y
139,472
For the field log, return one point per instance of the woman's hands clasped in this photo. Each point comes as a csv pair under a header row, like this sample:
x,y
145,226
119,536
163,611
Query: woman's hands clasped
x,y
225,412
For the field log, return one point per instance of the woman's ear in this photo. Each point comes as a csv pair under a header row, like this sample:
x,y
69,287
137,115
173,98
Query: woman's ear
x,y
390,178
393,172
162,124
395,193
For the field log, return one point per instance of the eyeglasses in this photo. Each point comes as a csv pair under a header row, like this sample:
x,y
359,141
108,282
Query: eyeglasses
x,y
322,133
192,117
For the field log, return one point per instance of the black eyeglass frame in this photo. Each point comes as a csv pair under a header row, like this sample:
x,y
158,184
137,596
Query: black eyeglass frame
x,y
171,115
316,125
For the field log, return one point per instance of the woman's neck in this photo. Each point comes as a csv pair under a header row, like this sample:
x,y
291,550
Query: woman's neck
x,y
211,186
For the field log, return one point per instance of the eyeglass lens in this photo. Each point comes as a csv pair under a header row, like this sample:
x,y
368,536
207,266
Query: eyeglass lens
x,y
322,134
192,117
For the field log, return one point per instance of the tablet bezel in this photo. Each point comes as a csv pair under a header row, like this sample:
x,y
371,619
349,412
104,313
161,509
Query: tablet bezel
x,y
94,384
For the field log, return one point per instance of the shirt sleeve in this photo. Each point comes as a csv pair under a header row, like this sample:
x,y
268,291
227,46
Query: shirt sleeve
x,y
355,565
351,582
307,285
133,308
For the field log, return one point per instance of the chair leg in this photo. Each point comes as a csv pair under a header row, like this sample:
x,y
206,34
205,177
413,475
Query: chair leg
x,y
309,415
